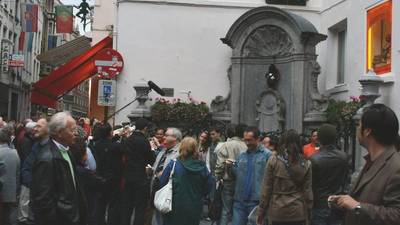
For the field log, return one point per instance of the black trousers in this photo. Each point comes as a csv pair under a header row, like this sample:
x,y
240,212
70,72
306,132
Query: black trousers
x,y
134,197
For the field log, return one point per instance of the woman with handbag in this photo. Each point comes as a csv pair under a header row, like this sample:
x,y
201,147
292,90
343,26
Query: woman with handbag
x,y
286,196
191,182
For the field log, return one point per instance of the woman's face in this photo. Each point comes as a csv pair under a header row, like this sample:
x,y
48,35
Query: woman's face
x,y
203,137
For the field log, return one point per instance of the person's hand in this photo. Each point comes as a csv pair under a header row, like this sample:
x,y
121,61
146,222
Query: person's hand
x,y
347,202
156,142
229,162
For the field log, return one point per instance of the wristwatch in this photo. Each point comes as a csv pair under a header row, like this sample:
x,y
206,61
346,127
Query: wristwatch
x,y
357,209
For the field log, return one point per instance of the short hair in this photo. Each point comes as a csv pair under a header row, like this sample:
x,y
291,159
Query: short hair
x,y
176,133
188,148
5,135
314,130
216,129
327,134
30,125
239,130
383,123
104,131
253,130
141,124
160,128
58,122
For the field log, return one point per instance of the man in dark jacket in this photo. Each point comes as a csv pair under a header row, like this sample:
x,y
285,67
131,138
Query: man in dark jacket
x,y
329,170
56,195
27,142
108,162
375,197
136,191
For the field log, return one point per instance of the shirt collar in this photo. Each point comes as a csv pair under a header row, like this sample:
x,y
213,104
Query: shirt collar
x,y
60,146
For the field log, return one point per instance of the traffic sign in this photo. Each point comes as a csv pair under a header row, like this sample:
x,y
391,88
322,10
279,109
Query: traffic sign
x,y
107,93
109,63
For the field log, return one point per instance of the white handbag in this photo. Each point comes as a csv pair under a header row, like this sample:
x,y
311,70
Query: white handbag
x,y
163,197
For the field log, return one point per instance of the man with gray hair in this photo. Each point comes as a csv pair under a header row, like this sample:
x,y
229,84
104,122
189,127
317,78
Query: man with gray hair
x,y
27,142
56,195
9,179
173,137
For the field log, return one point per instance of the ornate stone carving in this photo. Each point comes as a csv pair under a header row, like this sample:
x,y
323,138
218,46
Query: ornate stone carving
x,y
319,103
270,111
268,41
221,104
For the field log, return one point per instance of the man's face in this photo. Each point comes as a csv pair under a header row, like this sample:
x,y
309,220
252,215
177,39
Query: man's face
x,y
41,129
250,141
362,136
159,135
266,142
170,140
314,137
215,136
203,138
67,135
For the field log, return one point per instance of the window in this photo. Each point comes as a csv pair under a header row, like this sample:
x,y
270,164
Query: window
x,y
341,56
379,38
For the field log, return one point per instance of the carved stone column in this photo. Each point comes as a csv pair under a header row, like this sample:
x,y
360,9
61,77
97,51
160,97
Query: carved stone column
x,y
370,92
141,110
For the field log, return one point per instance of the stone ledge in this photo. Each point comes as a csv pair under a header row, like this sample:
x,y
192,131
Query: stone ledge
x,y
338,89
388,78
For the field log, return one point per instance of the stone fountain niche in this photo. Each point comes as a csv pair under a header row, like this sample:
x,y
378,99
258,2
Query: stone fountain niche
x,y
268,37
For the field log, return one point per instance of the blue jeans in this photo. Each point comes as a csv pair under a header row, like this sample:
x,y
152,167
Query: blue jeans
x,y
326,216
241,210
227,203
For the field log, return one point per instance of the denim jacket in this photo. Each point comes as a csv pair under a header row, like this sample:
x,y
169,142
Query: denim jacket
x,y
259,163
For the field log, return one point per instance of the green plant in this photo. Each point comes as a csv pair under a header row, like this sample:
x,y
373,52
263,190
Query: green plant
x,y
178,111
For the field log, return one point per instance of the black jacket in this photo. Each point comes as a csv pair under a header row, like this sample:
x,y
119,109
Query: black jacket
x,y
55,198
108,157
329,170
26,147
138,151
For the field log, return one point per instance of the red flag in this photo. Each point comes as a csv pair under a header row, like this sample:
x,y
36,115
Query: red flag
x,y
64,19
21,42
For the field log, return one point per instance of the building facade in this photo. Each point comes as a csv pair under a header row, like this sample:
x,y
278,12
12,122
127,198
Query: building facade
x,y
177,45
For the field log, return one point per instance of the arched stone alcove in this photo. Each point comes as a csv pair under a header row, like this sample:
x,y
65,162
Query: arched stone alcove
x,y
265,36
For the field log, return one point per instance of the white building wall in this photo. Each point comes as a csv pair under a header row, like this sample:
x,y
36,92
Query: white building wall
x,y
176,44
103,19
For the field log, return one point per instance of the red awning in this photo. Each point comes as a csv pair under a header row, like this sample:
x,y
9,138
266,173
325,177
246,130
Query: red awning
x,y
65,78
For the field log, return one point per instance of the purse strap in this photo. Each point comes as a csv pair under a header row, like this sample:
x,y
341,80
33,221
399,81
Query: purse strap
x,y
173,169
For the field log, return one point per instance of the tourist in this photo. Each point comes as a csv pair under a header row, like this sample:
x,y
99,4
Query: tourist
x,y
286,197
157,142
108,166
329,177
91,183
311,148
173,137
230,150
270,141
136,189
41,136
9,179
55,191
27,141
191,183
204,147
248,169
375,197
216,142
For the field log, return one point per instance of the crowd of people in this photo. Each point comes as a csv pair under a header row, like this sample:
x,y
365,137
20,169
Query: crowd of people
x,y
63,172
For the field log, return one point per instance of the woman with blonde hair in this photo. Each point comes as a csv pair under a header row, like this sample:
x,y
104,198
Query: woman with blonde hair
x,y
191,182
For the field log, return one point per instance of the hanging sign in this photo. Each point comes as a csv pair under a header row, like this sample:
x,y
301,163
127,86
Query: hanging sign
x,y
107,93
109,63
